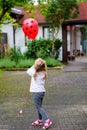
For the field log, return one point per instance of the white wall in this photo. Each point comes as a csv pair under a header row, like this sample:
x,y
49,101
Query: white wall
x,y
60,37
7,28
60,34
78,39
68,40
40,33
19,38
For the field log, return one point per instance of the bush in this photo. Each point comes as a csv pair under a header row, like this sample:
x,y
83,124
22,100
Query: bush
x,y
52,62
25,63
43,48
16,55
7,63
36,48
57,44
39,48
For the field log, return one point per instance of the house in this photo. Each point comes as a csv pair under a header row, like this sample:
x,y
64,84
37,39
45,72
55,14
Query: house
x,y
71,32
74,34
16,37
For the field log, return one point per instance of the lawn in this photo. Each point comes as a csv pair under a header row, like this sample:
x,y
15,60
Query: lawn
x,y
8,64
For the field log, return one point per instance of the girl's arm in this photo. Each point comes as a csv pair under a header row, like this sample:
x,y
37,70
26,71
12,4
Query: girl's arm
x,y
31,71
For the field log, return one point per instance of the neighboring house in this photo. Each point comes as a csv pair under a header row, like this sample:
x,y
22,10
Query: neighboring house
x,y
75,44
73,32
16,37
74,41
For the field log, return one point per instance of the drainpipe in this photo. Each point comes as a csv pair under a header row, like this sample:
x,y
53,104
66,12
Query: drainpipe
x,y
71,51
14,29
74,42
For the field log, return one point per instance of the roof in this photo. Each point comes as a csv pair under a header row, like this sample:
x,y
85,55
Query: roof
x,y
81,19
39,17
20,14
82,16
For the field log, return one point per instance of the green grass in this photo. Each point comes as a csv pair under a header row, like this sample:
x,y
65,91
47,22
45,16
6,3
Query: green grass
x,y
52,62
7,63
26,63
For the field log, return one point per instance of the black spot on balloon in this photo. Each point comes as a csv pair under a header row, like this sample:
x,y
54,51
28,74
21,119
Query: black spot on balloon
x,y
31,21
26,28
30,32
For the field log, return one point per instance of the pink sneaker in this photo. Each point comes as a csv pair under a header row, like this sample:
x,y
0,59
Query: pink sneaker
x,y
47,124
37,122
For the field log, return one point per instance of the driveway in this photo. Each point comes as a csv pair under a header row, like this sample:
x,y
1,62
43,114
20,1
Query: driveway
x,y
65,100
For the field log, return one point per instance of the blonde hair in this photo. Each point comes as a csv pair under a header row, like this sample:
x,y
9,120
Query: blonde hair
x,y
40,65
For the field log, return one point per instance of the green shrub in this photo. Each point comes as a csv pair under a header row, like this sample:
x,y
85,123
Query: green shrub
x,y
43,48
52,62
25,63
7,63
39,48
16,55
1,71
57,44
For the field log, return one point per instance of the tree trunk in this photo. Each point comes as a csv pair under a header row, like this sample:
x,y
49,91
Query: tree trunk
x,y
53,49
64,39
0,46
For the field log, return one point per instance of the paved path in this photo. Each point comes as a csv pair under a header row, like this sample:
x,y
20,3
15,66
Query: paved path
x,y
65,100
80,64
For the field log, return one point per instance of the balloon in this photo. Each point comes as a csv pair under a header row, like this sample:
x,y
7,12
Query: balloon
x,y
30,28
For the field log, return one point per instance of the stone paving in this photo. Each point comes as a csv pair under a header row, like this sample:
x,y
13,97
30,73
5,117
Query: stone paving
x,y
80,64
65,102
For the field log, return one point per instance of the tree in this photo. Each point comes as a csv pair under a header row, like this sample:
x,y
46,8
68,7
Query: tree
x,y
81,0
5,9
6,5
57,12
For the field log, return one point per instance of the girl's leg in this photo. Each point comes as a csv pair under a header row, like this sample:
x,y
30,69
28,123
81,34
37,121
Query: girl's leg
x,y
38,99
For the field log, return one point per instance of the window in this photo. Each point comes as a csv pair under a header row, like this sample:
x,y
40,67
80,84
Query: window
x,y
47,32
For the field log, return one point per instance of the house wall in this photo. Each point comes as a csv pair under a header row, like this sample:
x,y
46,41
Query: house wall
x,y
78,40
20,37
60,37
7,28
40,33
70,41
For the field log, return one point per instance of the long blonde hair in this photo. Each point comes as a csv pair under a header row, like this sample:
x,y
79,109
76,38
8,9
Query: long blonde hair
x,y
40,65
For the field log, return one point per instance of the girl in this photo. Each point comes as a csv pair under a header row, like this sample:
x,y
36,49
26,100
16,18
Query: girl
x,y
39,75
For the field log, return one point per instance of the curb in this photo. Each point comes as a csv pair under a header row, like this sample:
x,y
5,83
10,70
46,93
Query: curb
x,y
24,69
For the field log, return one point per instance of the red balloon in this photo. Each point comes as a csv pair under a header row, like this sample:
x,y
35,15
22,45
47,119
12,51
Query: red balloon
x,y
30,28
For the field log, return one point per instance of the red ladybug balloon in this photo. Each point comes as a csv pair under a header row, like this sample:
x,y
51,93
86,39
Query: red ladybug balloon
x,y
30,28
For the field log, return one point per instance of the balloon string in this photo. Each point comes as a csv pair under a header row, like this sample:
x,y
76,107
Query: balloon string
x,y
20,111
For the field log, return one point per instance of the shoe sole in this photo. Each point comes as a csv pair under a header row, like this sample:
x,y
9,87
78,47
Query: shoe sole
x,y
37,124
48,126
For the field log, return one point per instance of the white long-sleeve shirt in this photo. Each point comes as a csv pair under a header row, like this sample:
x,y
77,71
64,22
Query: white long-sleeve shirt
x,y
37,84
